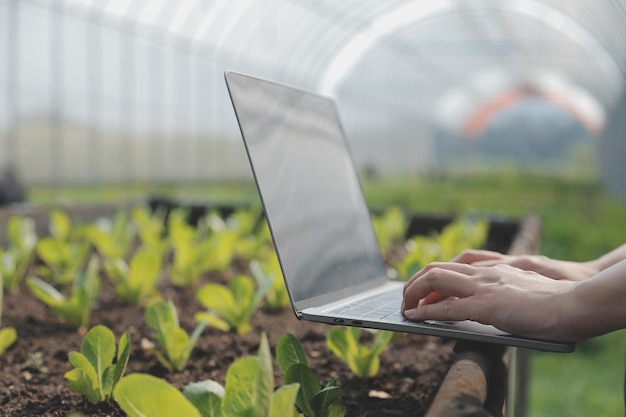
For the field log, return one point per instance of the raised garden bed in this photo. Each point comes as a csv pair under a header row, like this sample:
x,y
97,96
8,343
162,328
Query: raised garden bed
x,y
411,372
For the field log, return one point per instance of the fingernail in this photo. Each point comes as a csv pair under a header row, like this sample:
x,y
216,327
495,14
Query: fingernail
x,y
411,313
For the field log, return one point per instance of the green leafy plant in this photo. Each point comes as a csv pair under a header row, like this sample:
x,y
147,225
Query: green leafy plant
x,y
136,281
150,228
457,236
63,253
390,227
209,247
142,395
8,335
249,390
253,235
362,360
14,260
75,309
232,306
276,298
313,399
174,341
93,373
112,238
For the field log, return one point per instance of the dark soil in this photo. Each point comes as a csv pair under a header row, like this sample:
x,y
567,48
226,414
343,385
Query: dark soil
x,y
31,371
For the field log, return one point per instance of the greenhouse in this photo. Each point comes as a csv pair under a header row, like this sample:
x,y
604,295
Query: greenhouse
x,y
116,112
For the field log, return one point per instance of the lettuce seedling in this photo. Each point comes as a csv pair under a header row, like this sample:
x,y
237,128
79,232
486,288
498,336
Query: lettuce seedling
x,y
173,340
137,281
277,298
249,390
14,260
459,235
313,400
390,227
197,251
363,361
8,335
93,373
63,253
141,395
253,235
150,228
76,310
232,306
112,238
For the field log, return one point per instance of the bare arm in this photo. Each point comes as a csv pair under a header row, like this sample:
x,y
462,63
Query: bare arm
x,y
521,302
552,268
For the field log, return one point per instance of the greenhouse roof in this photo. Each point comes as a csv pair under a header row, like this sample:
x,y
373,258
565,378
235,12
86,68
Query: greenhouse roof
x,y
455,62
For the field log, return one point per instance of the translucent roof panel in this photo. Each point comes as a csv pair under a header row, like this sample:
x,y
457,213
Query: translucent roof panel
x,y
408,71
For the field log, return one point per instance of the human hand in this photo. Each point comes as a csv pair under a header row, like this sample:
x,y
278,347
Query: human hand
x,y
521,302
551,268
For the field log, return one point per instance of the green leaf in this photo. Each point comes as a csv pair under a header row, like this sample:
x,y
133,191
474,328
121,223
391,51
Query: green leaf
x,y
283,401
212,320
83,378
145,267
8,336
80,381
309,386
363,361
206,396
142,395
98,346
60,224
45,292
220,299
266,376
114,373
289,351
241,395
323,400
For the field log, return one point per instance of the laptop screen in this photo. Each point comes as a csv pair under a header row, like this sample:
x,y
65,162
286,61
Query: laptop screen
x,y
309,187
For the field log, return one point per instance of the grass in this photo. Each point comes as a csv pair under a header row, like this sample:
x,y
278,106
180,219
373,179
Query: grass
x,y
580,222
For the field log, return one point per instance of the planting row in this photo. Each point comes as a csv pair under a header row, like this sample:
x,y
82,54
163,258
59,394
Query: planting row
x,y
230,265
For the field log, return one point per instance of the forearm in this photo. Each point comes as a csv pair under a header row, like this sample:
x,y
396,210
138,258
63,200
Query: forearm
x,y
598,304
611,258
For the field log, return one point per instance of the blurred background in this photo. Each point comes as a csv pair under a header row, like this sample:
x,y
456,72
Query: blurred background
x,y
508,107
133,91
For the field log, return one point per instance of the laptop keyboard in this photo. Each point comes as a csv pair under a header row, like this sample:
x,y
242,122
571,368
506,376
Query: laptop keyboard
x,y
378,306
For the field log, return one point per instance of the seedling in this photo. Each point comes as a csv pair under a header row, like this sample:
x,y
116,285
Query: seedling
x,y
14,261
197,251
253,236
150,228
75,309
174,341
312,400
138,281
456,237
390,227
249,390
277,298
232,306
112,238
64,255
8,335
93,373
363,361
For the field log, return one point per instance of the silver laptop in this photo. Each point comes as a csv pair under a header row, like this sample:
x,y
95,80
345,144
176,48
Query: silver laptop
x,y
319,220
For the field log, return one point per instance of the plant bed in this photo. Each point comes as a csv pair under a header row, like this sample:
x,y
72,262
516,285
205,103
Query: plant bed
x,y
32,370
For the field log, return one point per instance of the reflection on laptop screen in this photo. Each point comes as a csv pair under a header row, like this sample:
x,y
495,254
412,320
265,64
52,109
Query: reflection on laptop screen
x,y
308,184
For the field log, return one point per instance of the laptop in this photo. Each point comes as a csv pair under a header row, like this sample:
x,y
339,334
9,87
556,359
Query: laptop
x,y
319,221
